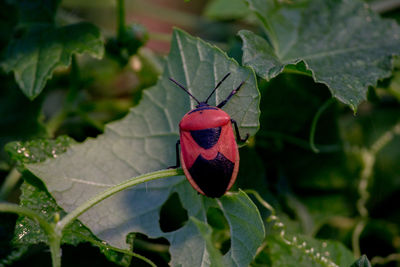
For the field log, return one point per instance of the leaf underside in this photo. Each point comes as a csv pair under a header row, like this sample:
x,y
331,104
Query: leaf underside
x,y
144,141
344,44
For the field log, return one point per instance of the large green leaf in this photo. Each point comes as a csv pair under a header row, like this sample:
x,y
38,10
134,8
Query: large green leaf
x,y
144,141
343,43
35,197
36,54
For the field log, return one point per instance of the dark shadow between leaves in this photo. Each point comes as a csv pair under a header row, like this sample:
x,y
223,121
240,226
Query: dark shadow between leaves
x,y
221,236
172,214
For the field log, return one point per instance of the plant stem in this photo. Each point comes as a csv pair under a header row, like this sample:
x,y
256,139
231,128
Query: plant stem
x,y
120,19
55,249
315,121
70,217
14,208
382,6
384,260
294,71
10,182
261,200
54,122
368,157
105,246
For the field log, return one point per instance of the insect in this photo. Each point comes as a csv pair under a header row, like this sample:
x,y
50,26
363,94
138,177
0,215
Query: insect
x,y
209,154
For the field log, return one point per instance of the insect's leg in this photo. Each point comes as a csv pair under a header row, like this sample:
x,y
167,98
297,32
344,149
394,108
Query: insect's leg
x,y
178,162
220,105
237,132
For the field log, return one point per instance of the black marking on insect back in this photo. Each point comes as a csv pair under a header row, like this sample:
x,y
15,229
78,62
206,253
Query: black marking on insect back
x,y
206,138
212,176
202,108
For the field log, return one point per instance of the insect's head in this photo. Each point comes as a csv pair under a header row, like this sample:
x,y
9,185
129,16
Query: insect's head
x,y
201,103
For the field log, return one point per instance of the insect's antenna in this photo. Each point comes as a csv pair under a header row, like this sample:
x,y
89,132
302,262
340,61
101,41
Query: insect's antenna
x,y
223,79
184,89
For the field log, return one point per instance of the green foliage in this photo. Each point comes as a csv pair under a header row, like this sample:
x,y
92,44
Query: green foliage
x,y
35,197
39,47
347,57
151,131
44,49
103,194
306,251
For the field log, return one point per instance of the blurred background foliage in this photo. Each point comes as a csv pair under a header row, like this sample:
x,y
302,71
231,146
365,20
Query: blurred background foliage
x,y
315,194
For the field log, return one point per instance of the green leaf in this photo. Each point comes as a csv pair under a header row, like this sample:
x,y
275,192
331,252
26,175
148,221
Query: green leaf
x,y
362,262
35,197
247,229
344,44
307,252
144,141
206,232
226,9
42,48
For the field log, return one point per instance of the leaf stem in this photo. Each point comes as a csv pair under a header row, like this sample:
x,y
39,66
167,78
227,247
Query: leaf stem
x,y
294,243
384,260
120,19
368,157
54,236
54,122
261,200
382,6
14,208
55,248
105,246
10,182
70,217
294,71
315,121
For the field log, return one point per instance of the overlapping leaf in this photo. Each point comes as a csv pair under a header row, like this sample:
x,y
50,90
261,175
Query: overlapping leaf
x,y
144,141
344,44
35,56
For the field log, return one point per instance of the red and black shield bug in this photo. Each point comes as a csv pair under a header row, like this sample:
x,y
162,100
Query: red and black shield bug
x,y
209,153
